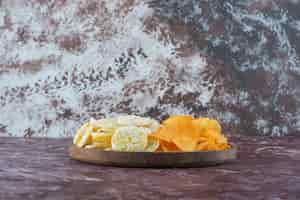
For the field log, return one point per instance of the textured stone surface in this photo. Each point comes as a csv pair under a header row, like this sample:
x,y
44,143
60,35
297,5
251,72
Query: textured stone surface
x,y
64,61
266,169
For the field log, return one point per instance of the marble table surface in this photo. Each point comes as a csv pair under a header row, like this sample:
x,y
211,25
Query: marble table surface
x,y
266,168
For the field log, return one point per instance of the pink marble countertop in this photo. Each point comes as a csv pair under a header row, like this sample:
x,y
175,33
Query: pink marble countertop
x,y
267,168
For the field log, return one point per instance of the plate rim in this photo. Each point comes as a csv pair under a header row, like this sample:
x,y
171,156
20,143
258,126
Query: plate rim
x,y
233,145
153,159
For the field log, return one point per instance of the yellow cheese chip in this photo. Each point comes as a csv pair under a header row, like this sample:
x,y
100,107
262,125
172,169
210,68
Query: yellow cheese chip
x,y
86,139
97,145
80,133
102,138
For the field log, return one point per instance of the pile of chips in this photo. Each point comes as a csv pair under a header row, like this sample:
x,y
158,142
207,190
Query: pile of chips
x,y
124,133
185,133
134,133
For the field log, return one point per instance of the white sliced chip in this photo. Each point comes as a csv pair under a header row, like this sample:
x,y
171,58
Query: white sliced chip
x,y
98,145
145,130
85,139
105,124
103,139
133,120
91,146
154,125
80,133
77,137
129,138
153,144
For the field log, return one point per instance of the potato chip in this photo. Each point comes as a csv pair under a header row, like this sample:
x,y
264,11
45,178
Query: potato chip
x,y
202,146
222,139
202,139
106,124
168,146
224,146
204,124
154,125
147,131
77,137
215,136
161,134
90,146
152,145
129,138
80,133
132,120
212,145
180,131
200,124
172,127
214,125
86,139
103,139
177,118
96,145
189,134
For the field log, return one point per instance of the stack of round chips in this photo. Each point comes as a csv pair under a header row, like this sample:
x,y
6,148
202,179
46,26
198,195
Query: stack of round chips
x,y
124,133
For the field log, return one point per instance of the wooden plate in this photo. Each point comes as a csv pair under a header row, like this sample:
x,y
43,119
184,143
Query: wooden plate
x,y
152,159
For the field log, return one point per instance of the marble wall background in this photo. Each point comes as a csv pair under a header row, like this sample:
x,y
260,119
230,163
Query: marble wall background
x,y
64,61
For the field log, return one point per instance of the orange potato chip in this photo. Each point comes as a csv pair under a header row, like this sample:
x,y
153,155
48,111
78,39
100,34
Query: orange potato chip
x,y
204,124
177,118
211,145
224,146
202,146
168,146
185,143
161,134
201,124
214,136
214,125
202,139
180,130
188,134
222,139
